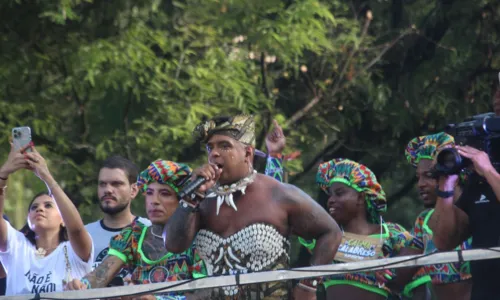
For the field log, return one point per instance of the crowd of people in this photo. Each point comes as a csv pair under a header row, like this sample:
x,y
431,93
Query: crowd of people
x,y
240,221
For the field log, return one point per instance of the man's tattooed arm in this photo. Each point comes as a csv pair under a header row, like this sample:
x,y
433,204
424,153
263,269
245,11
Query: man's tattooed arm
x,y
310,221
153,246
181,229
104,273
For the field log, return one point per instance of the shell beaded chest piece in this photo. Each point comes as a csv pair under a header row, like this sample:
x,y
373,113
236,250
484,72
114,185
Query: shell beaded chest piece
x,y
254,248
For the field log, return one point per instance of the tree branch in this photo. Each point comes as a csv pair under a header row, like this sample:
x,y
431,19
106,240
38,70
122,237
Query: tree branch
x,y
263,68
317,98
387,47
179,66
125,123
332,147
80,104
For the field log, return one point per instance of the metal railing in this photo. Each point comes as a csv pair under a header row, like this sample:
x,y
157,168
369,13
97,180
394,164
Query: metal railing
x,y
280,275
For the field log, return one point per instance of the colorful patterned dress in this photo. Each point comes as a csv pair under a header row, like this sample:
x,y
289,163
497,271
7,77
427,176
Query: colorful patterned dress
x,y
395,238
127,246
274,168
438,273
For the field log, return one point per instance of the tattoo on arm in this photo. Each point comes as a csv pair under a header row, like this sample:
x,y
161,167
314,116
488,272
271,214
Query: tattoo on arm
x,y
181,230
105,272
153,247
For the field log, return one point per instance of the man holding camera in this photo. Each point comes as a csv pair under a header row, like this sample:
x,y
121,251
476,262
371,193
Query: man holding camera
x,y
476,213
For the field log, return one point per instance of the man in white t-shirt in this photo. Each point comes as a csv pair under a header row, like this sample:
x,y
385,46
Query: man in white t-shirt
x,y
116,190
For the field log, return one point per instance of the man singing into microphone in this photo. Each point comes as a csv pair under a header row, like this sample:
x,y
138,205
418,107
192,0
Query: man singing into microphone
x,y
242,220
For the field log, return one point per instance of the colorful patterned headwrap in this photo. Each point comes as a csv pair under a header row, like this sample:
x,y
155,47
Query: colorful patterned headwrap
x,y
240,128
358,177
173,174
427,147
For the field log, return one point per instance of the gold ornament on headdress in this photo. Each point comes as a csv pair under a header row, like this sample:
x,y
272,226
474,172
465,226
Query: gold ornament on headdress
x,y
239,127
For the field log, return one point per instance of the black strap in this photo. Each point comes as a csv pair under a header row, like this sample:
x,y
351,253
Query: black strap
x,y
460,257
237,278
444,194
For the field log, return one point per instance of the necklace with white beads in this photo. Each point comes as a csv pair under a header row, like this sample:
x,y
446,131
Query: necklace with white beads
x,y
224,193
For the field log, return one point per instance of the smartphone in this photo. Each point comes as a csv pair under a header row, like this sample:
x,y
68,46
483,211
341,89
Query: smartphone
x,y
21,137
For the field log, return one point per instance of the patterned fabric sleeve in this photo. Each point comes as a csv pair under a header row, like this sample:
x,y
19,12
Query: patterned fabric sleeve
x,y
420,277
417,230
401,238
274,167
123,244
198,269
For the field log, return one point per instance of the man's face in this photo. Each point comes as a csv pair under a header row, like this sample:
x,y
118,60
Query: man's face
x,y
231,155
426,183
496,102
114,190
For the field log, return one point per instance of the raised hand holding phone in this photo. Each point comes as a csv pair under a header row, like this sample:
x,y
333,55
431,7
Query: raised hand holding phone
x,y
21,138
15,161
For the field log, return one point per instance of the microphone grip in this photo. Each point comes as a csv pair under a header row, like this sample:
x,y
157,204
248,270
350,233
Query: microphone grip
x,y
191,187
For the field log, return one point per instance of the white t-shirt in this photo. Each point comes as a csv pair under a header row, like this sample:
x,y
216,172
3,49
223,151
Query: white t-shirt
x,y
28,274
101,235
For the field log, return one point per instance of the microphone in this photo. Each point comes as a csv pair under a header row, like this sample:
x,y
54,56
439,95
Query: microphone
x,y
191,187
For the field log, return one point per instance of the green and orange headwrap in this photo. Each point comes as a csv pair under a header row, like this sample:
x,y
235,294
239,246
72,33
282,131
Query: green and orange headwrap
x,y
427,147
173,174
358,177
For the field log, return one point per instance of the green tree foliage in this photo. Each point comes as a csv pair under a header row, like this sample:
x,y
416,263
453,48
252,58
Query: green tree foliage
x,y
354,79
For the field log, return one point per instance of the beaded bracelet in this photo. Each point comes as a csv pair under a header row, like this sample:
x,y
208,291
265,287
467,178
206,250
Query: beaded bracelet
x,y
86,282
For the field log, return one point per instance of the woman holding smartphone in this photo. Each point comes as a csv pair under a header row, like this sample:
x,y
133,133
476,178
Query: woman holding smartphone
x,y
56,246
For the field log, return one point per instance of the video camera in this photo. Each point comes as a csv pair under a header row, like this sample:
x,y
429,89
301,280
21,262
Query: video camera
x,y
481,132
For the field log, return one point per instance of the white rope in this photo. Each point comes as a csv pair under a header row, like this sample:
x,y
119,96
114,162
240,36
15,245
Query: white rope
x,y
259,277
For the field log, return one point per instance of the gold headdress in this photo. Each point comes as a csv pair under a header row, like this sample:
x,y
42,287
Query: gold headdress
x,y
239,127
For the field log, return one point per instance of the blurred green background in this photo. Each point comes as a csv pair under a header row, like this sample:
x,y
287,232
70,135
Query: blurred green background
x,y
354,79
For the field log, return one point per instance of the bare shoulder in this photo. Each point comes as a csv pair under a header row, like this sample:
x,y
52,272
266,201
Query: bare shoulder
x,y
290,194
262,179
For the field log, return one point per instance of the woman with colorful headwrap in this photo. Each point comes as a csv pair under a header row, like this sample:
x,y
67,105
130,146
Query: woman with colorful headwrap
x,y
356,201
141,248
449,281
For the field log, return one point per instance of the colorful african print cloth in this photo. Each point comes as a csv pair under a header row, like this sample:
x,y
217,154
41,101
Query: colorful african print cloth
x,y
440,273
427,146
127,246
166,172
395,238
274,168
358,177
239,127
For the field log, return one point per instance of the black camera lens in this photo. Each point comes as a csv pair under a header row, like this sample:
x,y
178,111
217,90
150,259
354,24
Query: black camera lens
x,y
449,162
